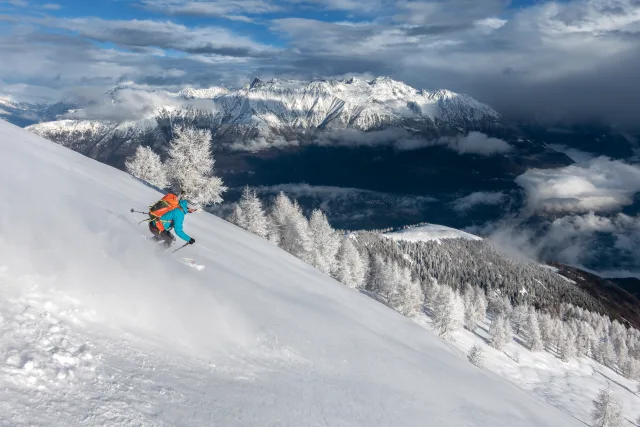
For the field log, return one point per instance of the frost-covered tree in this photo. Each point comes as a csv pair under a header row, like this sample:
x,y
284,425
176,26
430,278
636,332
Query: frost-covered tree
x,y
500,332
326,242
585,338
413,299
547,330
146,165
474,308
351,268
190,166
408,297
254,218
605,353
237,217
475,355
292,228
534,338
567,346
607,411
448,312
519,317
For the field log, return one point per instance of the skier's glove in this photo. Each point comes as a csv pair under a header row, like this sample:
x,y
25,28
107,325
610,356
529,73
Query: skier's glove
x,y
192,241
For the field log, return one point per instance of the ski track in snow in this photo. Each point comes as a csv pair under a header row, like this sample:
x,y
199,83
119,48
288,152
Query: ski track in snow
x,y
99,328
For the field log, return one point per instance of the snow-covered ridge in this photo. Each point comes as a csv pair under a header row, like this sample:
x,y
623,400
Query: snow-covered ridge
x,y
266,113
207,93
430,232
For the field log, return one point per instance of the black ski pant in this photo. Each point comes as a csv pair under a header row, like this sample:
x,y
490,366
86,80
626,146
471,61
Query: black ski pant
x,y
165,235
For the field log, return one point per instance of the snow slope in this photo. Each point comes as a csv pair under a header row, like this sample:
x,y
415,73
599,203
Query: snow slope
x,y
428,232
97,328
571,386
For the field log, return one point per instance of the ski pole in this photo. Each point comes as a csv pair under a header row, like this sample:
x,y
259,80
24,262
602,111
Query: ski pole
x,y
135,211
181,247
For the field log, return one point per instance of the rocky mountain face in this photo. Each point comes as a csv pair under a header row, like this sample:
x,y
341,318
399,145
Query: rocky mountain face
x,y
276,113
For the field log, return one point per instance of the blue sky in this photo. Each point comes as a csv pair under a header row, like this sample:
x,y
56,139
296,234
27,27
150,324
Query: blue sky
x,y
520,54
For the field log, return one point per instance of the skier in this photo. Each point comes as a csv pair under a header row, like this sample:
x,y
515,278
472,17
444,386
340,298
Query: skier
x,y
160,228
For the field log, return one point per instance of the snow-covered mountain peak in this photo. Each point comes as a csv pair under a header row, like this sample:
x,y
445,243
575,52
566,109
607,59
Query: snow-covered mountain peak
x,y
204,93
291,110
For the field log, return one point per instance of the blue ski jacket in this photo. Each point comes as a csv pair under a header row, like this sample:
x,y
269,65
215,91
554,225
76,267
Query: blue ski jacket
x,y
174,219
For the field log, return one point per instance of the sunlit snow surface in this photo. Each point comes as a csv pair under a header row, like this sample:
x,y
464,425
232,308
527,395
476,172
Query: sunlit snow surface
x,y
430,232
98,328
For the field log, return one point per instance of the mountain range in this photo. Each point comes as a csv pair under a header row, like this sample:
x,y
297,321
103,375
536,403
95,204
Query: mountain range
x,y
372,153
267,114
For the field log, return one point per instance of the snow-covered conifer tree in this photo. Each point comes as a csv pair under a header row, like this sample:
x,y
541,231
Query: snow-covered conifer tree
x,y
500,332
351,269
448,312
547,329
279,216
237,217
294,235
255,219
326,242
607,411
534,338
413,299
146,165
408,298
474,308
480,303
584,339
519,317
567,347
190,166
475,355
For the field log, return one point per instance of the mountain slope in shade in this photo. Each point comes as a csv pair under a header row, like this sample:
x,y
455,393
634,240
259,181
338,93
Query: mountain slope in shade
x,y
98,328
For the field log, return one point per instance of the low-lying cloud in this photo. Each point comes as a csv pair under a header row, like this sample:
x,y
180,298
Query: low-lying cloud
x,y
600,185
478,198
479,143
129,104
606,245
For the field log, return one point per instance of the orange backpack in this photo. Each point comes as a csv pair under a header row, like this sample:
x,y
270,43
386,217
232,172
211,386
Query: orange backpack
x,y
162,206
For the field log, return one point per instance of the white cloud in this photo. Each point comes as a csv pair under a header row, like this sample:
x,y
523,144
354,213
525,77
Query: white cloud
x,y
463,204
16,3
601,185
574,154
231,9
131,104
261,143
51,6
144,34
479,143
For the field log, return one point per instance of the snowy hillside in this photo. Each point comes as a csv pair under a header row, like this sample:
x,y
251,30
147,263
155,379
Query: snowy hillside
x,y
274,113
429,232
97,328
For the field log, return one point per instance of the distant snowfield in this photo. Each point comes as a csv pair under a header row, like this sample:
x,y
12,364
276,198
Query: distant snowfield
x,y
431,232
98,328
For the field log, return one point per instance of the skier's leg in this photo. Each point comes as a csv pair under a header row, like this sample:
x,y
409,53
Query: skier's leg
x,y
168,238
154,231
